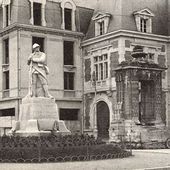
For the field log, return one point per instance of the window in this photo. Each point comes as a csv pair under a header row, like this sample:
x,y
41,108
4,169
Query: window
x,y
6,12
6,51
5,67
143,20
101,67
106,69
96,71
6,80
40,41
101,71
69,114
7,15
101,27
37,13
143,23
101,23
68,81
68,15
150,56
7,112
68,53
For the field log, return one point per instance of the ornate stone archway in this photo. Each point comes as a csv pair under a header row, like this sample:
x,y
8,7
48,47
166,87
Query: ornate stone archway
x,y
93,115
103,120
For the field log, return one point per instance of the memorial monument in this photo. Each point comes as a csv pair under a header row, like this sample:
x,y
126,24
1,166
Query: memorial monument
x,y
39,112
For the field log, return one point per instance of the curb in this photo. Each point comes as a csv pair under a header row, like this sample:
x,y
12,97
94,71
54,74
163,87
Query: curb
x,y
152,151
156,168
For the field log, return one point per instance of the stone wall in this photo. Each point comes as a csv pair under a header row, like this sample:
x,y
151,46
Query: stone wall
x,y
88,100
114,61
87,70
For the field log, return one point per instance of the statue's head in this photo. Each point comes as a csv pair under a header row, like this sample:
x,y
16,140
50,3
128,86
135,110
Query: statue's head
x,y
36,47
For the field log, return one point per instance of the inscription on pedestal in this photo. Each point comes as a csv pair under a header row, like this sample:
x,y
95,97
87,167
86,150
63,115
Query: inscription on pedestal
x,y
38,108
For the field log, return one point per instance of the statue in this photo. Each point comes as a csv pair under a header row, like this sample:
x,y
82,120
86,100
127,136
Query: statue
x,y
38,72
38,115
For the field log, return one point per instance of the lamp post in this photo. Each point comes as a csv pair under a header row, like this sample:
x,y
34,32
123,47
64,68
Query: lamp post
x,y
95,102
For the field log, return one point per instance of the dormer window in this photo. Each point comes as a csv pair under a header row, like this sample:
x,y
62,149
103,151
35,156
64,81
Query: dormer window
x,y
143,20
101,27
68,15
101,23
6,6
67,18
143,25
38,12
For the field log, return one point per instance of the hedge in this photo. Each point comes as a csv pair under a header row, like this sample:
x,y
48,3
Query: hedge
x,y
56,148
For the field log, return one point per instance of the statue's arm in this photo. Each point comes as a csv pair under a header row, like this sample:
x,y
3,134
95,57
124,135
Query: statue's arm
x,y
42,59
29,59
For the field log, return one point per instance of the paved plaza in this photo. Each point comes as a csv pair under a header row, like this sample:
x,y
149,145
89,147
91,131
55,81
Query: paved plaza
x,y
142,159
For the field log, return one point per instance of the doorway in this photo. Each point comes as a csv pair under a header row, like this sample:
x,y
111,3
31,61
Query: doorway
x,y
103,120
146,111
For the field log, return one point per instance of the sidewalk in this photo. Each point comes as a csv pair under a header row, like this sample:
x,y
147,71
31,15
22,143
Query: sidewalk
x,y
142,160
157,168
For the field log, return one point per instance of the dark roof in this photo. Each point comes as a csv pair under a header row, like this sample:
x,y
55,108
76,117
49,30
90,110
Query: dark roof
x,y
85,15
122,12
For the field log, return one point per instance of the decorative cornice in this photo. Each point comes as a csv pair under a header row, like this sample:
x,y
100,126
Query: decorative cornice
x,y
100,15
39,1
4,2
69,99
146,12
10,99
141,68
63,3
40,29
126,33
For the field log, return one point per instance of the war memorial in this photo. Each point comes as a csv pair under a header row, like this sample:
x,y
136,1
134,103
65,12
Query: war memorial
x,y
39,135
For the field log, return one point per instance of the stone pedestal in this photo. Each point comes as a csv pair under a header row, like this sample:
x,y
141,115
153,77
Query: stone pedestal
x,y
39,116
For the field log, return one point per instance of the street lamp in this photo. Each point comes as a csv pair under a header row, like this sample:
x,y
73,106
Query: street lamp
x,y
95,102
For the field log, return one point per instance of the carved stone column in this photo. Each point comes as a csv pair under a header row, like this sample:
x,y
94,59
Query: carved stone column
x,y
32,13
73,20
9,14
43,21
63,20
4,16
158,99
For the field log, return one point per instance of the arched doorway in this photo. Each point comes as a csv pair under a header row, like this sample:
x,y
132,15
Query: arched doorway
x,y
103,120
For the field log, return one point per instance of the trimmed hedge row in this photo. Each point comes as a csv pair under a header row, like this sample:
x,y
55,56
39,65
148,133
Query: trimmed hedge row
x,y
68,158
26,153
56,148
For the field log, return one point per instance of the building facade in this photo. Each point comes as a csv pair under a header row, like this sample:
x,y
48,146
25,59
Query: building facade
x,y
86,51
116,104
56,26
